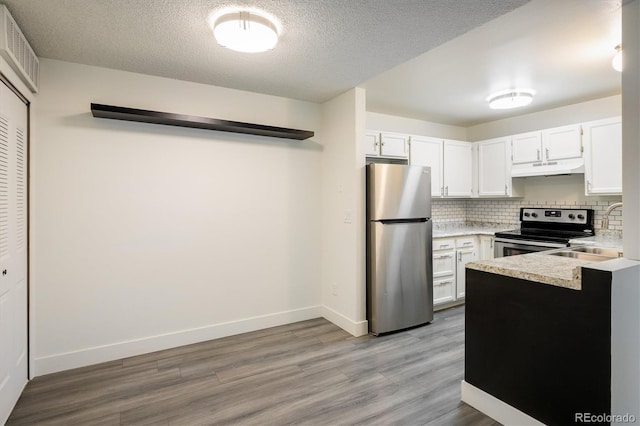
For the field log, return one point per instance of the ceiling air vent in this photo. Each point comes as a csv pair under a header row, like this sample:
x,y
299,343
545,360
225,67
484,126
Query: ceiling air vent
x,y
15,48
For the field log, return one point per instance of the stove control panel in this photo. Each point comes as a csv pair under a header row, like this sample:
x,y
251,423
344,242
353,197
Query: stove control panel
x,y
577,216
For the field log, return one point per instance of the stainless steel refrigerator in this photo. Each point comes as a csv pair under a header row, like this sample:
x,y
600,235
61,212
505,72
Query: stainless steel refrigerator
x,y
399,247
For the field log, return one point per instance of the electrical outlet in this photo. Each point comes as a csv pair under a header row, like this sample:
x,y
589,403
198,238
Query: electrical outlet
x,y
347,216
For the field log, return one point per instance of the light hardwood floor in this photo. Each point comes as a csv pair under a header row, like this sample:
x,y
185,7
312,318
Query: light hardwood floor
x,y
309,373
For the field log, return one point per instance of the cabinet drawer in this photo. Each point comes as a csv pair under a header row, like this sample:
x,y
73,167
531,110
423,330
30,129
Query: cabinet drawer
x,y
444,264
462,243
443,244
443,291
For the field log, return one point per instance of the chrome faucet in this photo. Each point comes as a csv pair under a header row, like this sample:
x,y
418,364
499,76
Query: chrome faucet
x,y
605,219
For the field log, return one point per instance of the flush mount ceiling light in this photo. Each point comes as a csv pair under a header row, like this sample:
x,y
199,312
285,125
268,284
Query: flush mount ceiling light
x,y
510,99
244,31
616,63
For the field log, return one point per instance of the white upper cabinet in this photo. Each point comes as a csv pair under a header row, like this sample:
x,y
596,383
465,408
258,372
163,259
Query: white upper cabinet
x,y
603,156
458,169
394,145
494,167
426,151
383,144
451,165
486,247
527,147
558,143
372,144
561,143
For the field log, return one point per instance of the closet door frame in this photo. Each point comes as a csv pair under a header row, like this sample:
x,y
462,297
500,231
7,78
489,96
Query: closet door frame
x,y
16,114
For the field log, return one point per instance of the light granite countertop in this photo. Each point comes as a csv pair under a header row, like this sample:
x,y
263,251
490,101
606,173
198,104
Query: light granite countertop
x,y
458,229
553,270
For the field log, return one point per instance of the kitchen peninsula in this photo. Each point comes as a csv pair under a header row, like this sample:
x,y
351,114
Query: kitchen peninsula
x,y
545,337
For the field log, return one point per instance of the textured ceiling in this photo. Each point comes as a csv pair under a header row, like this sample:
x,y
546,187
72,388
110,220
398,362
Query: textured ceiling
x,y
326,46
560,49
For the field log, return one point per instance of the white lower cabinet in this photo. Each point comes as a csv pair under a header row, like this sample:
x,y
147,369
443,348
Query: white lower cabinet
x,y
444,270
486,247
443,290
450,256
466,251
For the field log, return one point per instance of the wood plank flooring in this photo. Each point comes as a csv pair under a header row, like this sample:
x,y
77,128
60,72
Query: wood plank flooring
x,y
309,373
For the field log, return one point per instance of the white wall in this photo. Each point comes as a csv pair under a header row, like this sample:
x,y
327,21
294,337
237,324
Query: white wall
x,y
146,236
631,127
343,271
571,114
625,338
393,123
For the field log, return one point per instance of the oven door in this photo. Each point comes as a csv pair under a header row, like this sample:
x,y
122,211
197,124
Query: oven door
x,y
506,247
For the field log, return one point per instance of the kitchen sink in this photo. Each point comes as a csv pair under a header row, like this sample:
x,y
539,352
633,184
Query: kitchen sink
x,y
610,252
593,254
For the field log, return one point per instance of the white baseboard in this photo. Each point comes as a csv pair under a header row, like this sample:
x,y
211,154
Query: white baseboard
x,y
359,328
496,409
95,355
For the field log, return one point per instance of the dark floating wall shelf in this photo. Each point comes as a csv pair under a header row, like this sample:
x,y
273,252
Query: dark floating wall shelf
x,y
156,117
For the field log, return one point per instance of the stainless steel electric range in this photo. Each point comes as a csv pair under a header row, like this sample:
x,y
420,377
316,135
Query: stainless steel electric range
x,y
544,229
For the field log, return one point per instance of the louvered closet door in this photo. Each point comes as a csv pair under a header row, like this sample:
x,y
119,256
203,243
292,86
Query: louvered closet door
x,y
13,249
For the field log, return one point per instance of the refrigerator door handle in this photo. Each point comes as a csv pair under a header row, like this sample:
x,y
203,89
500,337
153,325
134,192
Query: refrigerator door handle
x,y
392,221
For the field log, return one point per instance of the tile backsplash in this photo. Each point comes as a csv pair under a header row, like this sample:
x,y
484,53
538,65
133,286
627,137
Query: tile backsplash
x,y
508,211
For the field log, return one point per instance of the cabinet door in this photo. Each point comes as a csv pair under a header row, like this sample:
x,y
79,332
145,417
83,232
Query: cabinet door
x,y
527,147
603,156
394,145
444,264
486,247
428,152
372,144
13,249
463,257
458,168
494,167
561,143
444,291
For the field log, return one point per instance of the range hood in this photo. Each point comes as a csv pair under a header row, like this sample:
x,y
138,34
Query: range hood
x,y
548,168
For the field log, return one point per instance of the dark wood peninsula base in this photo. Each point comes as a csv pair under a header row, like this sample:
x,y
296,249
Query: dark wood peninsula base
x,y
542,349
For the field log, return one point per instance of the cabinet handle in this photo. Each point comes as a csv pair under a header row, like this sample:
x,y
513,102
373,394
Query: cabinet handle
x,y
444,256
459,256
588,186
446,190
442,191
538,156
547,152
467,243
4,272
492,243
444,245
506,192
